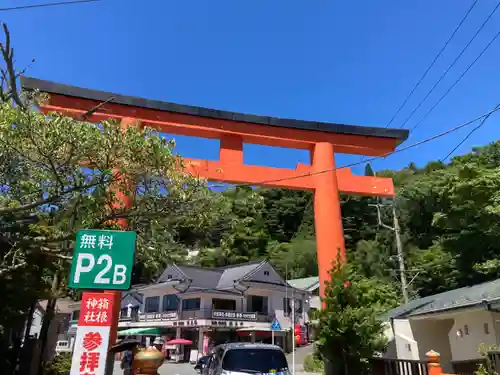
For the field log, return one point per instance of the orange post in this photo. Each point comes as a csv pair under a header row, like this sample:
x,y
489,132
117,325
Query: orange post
x,y
121,200
434,363
327,215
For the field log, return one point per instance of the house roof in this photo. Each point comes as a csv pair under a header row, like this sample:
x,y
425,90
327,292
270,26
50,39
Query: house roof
x,y
451,300
215,279
234,273
307,283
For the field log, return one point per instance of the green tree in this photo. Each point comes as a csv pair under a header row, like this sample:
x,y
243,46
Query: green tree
x,y
369,170
283,212
59,175
295,259
350,331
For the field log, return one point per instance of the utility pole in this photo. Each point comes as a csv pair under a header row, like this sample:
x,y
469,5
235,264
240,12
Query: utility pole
x,y
401,260
399,246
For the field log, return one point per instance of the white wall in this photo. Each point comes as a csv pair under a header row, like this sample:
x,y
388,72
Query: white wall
x,y
405,343
432,334
275,304
466,346
275,300
413,338
36,323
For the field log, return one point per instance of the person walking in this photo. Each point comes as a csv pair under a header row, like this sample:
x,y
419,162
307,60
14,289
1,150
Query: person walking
x,y
126,363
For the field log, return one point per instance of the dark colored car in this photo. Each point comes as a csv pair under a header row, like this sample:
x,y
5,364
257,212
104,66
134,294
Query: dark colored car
x,y
202,363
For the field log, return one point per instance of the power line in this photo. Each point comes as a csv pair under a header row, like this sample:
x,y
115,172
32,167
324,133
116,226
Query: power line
x,y
451,66
48,5
455,83
432,64
468,135
449,131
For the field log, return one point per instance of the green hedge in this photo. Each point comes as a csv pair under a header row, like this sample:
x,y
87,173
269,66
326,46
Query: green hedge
x,y
313,364
60,365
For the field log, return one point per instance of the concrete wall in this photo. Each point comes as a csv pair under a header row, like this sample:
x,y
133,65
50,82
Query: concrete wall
x,y
414,338
469,331
36,323
455,335
406,346
433,335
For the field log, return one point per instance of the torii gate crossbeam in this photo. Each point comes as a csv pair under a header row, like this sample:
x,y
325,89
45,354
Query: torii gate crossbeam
x,y
233,130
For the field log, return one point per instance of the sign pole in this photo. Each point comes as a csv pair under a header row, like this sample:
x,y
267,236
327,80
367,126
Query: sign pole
x,y
272,336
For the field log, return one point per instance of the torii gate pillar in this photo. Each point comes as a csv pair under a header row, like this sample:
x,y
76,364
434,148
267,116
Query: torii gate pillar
x,y
327,215
232,129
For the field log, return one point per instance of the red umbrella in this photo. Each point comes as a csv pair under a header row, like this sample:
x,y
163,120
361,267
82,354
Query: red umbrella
x,y
179,342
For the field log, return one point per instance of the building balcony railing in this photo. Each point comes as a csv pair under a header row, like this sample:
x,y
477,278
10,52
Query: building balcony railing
x,y
213,314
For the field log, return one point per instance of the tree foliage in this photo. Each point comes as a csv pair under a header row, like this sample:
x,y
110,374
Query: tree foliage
x,y
350,331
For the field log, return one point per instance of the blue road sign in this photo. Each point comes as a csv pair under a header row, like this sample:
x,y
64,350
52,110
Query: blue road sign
x,y
275,326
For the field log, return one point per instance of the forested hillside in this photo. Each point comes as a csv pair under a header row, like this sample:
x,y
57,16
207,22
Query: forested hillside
x,y
449,216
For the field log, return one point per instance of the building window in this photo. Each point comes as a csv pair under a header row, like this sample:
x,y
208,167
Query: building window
x,y
223,304
486,329
257,304
75,315
169,277
191,304
152,304
170,302
466,329
266,273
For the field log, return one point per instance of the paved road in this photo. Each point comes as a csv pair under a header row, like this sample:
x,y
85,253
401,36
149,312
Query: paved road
x,y
187,368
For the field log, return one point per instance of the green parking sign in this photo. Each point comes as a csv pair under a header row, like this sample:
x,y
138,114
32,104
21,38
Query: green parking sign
x,y
102,259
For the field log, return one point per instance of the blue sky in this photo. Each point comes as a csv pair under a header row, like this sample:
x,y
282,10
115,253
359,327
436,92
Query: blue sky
x,y
349,62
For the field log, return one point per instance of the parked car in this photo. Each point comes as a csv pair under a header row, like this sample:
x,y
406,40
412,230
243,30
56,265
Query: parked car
x,y
245,358
202,363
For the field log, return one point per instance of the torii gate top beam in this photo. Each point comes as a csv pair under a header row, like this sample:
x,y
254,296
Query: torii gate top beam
x,y
209,123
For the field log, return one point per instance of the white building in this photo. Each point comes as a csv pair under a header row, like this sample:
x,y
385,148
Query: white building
x,y
212,306
454,324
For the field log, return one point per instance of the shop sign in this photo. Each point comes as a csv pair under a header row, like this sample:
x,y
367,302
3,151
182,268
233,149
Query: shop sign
x,y
233,315
158,316
92,336
225,323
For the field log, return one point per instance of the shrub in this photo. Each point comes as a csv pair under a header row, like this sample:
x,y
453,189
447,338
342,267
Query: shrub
x,y
60,365
313,364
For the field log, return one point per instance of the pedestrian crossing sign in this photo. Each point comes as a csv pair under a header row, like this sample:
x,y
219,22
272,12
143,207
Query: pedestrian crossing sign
x,y
275,326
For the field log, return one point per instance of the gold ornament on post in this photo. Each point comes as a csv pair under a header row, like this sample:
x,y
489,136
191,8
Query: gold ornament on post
x,y
148,361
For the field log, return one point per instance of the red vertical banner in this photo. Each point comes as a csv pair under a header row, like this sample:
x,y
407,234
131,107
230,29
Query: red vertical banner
x,y
93,333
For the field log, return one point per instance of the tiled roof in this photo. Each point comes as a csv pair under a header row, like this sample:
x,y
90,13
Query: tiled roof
x,y
232,274
201,277
221,278
453,299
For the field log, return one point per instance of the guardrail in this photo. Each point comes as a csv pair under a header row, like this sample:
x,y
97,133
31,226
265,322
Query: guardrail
x,y
392,366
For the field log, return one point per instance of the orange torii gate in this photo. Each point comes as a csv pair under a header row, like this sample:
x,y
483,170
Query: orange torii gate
x,y
233,129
